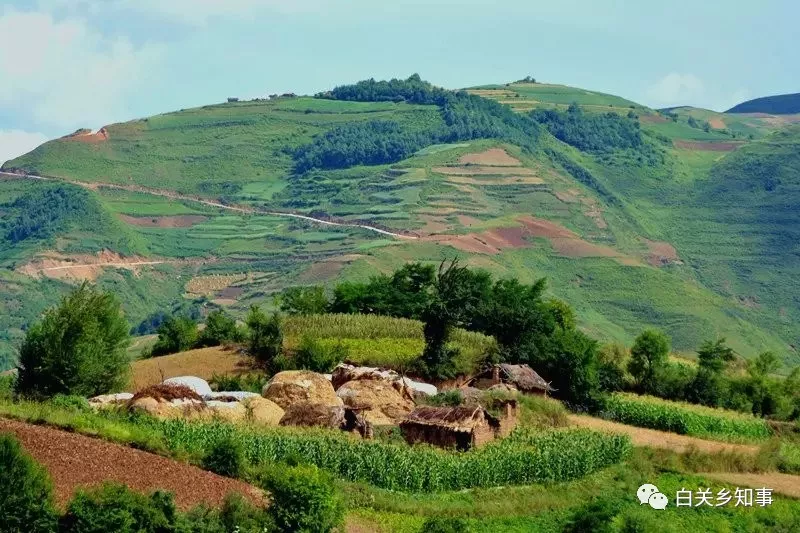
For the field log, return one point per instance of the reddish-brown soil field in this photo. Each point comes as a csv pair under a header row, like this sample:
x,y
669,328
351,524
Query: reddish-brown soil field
x,y
495,157
661,253
717,123
180,221
707,146
484,171
75,461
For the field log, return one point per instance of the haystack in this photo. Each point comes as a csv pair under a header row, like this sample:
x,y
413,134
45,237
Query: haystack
x,y
291,387
309,414
408,388
198,385
263,412
168,401
110,400
227,411
378,402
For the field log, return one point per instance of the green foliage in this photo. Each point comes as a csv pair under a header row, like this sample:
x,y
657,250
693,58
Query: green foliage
x,y
225,458
72,403
253,382
7,386
304,300
448,398
591,133
303,499
175,334
220,329
26,493
49,210
595,516
523,458
265,335
77,348
709,386
648,356
318,357
445,525
683,418
114,507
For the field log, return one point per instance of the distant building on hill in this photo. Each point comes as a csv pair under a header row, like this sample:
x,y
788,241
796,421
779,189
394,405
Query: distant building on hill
x,y
232,100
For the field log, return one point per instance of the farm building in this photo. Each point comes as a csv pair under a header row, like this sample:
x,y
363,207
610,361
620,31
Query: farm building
x,y
522,377
462,427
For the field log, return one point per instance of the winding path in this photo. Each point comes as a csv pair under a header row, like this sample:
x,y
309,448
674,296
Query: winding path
x,y
239,209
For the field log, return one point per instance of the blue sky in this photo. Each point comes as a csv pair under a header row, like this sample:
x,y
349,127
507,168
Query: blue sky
x,y
66,64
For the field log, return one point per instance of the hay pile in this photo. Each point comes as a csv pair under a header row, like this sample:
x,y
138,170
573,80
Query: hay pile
x,y
299,386
377,401
308,414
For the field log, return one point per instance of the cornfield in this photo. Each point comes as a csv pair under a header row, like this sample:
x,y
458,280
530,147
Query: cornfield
x,y
684,418
524,458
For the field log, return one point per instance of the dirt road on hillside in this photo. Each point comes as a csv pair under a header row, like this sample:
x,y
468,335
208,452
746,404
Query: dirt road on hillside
x,y
660,439
196,199
75,461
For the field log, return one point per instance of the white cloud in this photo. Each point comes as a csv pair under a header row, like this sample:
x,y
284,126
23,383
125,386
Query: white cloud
x,y
676,89
64,74
14,143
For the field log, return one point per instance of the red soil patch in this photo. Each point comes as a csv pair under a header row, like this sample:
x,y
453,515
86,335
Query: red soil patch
x,y
434,224
75,461
86,136
709,146
494,157
179,221
661,253
544,228
513,180
83,267
716,123
581,248
466,220
653,119
475,170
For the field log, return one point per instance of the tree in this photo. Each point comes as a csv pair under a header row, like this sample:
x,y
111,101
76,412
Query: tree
x,y
709,387
764,392
265,335
79,347
304,300
220,329
649,354
175,334
454,297
26,493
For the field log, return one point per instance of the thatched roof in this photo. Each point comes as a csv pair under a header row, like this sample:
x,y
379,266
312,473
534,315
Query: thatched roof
x,y
454,418
524,378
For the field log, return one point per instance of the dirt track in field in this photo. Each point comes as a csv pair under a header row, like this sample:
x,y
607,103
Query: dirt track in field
x,y
785,484
75,461
660,439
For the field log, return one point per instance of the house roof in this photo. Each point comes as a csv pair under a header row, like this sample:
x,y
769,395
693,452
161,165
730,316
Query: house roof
x,y
524,377
454,418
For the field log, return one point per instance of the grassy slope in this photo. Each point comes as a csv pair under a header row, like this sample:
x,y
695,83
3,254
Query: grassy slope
x,y
235,151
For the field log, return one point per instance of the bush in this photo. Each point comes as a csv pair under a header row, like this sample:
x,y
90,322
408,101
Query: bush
x,y
236,515
114,507
26,501
317,357
79,347
449,398
595,516
304,499
72,403
238,382
220,329
175,334
444,525
266,335
7,386
225,458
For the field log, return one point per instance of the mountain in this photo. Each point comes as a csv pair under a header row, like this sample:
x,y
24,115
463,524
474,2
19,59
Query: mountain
x,y
679,219
782,104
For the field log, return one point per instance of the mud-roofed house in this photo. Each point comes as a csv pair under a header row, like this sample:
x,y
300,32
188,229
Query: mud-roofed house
x,y
462,427
522,377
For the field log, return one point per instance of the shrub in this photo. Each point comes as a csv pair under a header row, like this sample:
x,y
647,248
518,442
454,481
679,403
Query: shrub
x,y
7,386
220,329
304,499
449,398
79,347
444,525
317,357
595,516
26,502
238,382
304,300
266,335
114,507
225,458
175,334
72,403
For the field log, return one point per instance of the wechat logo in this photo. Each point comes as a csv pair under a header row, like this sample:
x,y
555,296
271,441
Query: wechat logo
x,y
649,494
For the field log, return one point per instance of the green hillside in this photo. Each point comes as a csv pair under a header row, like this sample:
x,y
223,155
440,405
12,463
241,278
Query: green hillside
x,y
782,104
637,217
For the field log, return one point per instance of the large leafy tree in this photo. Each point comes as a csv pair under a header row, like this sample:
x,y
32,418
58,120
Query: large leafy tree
x,y
649,356
710,386
78,347
176,334
304,300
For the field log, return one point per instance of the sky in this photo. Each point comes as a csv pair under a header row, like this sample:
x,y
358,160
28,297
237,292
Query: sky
x,y
69,64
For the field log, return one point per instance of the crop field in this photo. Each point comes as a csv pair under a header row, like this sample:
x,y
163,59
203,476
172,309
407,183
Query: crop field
x,y
684,418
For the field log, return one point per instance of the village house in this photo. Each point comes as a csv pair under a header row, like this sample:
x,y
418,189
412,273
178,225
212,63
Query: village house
x,y
462,427
521,377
